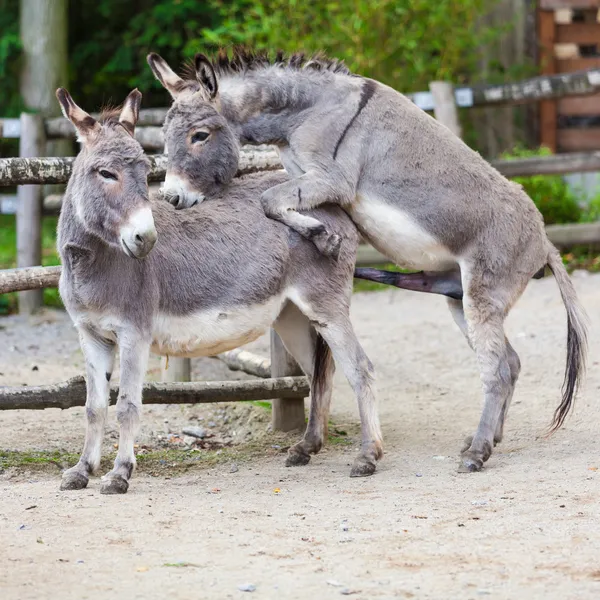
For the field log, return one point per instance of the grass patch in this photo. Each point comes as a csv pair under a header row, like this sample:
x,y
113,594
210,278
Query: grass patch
x,y
8,258
266,404
155,462
583,257
362,285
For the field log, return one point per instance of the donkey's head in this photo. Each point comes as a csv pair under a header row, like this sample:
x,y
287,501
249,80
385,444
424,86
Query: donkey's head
x,y
202,149
109,185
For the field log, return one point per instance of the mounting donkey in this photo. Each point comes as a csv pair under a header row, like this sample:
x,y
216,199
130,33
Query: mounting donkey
x,y
418,193
211,279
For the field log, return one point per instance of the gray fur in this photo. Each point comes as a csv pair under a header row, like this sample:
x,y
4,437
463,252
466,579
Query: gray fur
x,y
418,193
218,264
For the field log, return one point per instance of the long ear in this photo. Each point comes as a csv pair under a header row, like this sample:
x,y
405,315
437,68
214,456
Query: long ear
x,y
131,111
205,74
167,77
86,126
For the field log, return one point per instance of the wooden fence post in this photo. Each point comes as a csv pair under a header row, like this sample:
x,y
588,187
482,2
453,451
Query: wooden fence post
x,y
180,369
287,414
445,109
29,210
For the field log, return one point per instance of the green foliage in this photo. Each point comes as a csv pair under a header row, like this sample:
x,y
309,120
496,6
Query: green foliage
x,y
553,197
10,48
404,43
8,258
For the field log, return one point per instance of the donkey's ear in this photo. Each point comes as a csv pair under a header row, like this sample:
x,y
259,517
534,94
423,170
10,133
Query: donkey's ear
x,y
86,126
131,111
167,77
205,74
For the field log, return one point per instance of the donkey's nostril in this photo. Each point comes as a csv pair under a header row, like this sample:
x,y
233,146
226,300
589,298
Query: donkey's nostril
x,y
175,200
138,238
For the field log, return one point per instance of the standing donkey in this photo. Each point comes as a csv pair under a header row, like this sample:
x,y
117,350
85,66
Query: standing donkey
x,y
211,279
418,193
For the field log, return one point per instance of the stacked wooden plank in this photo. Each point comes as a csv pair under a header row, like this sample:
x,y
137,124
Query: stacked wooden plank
x,y
569,36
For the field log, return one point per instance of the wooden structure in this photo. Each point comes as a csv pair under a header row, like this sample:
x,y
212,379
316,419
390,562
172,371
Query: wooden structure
x,y
569,38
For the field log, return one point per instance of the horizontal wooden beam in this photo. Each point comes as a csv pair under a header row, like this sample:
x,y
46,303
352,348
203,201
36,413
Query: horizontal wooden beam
x,y
578,139
578,33
149,126
242,360
21,171
72,392
28,278
17,171
577,4
555,164
576,107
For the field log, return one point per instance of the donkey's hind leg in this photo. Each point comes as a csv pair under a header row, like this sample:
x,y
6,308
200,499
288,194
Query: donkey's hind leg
x,y
134,358
456,309
99,357
358,369
314,358
515,368
484,316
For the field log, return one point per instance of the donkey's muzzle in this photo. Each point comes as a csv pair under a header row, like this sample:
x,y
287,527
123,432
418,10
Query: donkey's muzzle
x,y
139,235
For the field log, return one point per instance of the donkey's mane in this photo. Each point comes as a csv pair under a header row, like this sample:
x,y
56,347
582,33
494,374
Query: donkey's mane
x,y
244,60
109,115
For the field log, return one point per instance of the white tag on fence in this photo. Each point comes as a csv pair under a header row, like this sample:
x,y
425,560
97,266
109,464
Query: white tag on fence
x,y
464,97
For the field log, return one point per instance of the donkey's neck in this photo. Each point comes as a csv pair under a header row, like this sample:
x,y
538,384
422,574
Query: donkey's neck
x,y
263,107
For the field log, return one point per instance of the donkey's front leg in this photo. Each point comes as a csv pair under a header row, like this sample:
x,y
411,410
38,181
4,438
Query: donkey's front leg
x,y
303,193
99,355
134,358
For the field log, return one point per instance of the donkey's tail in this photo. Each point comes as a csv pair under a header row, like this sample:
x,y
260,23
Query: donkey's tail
x,y
576,338
324,369
445,283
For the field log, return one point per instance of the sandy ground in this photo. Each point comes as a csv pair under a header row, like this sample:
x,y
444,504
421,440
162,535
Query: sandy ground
x,y
525,527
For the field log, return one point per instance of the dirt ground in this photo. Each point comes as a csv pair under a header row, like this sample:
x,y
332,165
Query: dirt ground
x,y
525,527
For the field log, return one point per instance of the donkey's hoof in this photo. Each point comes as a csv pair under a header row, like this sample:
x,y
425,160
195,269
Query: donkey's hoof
x,y
328,244
115,485
472,459
74,481
297,458
470,464
362,468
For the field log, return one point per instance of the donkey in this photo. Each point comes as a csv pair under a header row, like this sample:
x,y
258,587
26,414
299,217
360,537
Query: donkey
x,y
415,191
211,279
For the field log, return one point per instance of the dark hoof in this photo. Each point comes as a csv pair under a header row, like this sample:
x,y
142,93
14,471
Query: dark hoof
x,y
115,485
472,460
74,481
329,244
297,459
362,469
470,465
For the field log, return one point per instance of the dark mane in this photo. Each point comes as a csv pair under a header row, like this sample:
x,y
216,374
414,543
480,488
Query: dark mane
x,y
244,60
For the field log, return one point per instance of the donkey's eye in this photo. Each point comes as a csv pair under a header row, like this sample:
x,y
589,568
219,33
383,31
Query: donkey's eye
x,y
107,175
200,136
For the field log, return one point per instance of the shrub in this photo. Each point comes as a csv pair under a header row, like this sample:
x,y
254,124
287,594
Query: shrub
x,y
554,198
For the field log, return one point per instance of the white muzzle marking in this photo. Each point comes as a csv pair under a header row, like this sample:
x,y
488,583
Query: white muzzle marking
x,y
139,235
179,192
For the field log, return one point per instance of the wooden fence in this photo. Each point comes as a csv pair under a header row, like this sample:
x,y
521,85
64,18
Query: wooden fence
x,y
283,384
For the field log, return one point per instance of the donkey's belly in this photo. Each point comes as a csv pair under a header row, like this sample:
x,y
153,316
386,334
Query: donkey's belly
x,y
209,332
397,235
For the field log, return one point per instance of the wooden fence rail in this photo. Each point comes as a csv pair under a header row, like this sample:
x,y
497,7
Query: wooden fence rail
x,y
73,392
546,87
21,171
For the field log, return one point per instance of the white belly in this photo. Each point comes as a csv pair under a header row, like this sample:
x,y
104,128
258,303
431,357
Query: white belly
x,y
397,235
210,332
